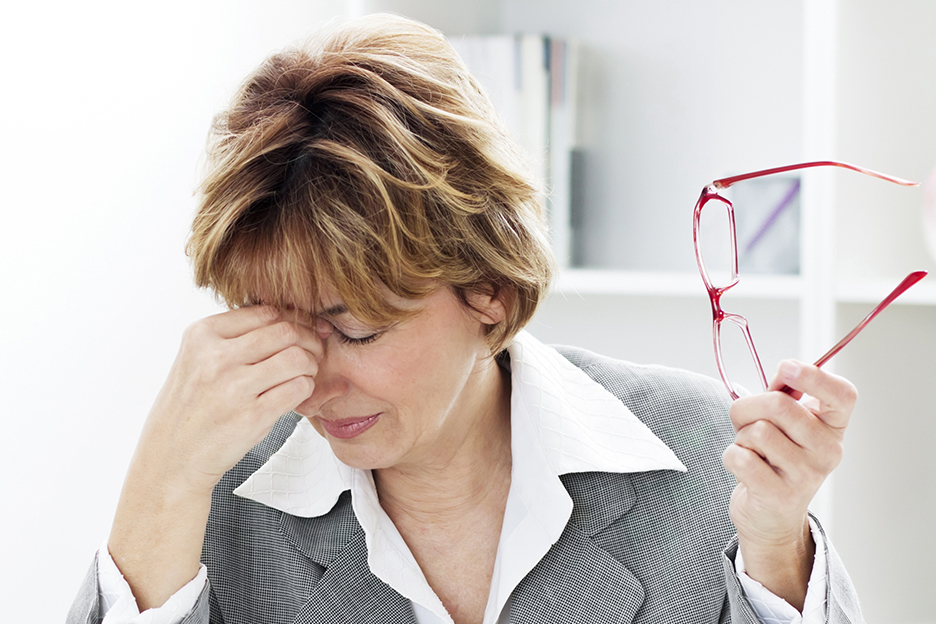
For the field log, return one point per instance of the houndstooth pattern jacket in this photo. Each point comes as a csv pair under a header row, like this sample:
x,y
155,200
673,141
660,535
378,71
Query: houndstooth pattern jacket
x,y
643,548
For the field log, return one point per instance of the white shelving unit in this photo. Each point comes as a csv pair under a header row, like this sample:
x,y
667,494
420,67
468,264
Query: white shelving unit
x,y
650,284
657,284
676,94
873,291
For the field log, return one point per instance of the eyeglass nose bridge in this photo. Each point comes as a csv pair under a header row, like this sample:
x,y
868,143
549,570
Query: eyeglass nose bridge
x,y
721,317
709,195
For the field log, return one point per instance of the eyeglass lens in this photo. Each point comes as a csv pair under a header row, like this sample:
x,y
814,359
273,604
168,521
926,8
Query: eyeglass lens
x,y
766,217
741,368
716,245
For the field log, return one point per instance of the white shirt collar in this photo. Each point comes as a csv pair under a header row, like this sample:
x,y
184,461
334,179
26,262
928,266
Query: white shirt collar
x,y
561,422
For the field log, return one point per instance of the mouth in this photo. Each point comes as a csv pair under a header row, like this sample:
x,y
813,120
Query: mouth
x,y
346,428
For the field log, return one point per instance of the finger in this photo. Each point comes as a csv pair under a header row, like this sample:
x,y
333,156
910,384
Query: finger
x,y
323,328
240,321
791,418
779,452
780,408
751,469
836,395
268,340
778,383
286,396
279,368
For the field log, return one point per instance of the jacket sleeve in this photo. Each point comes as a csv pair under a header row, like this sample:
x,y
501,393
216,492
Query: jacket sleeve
x,y
841,598
86,609
87,605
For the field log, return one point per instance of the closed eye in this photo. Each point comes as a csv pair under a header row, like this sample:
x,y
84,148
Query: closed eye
x,y
356,341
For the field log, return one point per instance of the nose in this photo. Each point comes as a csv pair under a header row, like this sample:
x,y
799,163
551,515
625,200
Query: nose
x,y
330,383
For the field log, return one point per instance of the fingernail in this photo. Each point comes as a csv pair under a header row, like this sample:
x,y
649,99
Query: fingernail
x,y
788,371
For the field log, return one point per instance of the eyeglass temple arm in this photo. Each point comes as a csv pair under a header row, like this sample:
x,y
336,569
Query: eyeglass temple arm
x,y
726,182
907,282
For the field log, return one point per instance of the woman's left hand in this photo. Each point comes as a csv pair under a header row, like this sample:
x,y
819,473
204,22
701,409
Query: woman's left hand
x,y
783,451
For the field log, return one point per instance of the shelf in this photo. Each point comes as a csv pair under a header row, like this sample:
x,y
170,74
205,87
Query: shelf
x,y
659,284
638,283
873,291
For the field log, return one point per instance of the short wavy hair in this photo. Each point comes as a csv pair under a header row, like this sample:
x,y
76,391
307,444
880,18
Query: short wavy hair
x,y
368,157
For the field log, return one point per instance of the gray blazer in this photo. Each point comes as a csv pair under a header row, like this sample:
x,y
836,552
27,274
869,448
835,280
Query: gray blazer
x,y
654,547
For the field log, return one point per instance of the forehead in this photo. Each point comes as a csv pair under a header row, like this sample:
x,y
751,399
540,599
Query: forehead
x,y
327,301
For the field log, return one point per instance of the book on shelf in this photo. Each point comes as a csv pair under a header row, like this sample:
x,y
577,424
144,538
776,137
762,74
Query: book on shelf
x,y
532,81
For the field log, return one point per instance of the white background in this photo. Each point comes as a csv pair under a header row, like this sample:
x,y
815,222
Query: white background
x,y
106,106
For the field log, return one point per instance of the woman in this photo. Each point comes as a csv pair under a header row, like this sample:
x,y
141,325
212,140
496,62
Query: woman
x,y
381,247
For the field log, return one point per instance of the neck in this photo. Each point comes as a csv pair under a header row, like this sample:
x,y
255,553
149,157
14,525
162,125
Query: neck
x,y
466,471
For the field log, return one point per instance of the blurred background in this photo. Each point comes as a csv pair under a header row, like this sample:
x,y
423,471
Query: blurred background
x,y
106,106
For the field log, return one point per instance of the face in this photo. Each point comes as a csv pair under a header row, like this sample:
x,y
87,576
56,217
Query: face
x,y
408,394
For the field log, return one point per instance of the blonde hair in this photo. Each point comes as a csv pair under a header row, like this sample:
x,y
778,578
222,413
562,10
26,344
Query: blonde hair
x,y
368,157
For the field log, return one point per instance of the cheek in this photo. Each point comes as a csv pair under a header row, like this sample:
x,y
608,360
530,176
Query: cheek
x,y
414,380
392,375
404,375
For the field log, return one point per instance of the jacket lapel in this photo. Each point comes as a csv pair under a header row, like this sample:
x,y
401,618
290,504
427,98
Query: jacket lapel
x,y
578,581
348,592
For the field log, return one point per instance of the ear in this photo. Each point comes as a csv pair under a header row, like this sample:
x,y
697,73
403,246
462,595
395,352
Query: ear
x,y
487,304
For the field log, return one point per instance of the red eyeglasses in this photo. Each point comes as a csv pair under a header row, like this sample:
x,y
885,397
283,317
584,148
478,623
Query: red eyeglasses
x,y
728,277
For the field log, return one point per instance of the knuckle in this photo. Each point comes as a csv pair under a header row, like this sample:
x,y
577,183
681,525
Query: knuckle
x,y
777,401
740,410
831,456
266,313
812,372
745,461
205,366
242,388
296,358
286,333
761,431
307,385
849,393
739,458
210,370
729,458
293,392
195,332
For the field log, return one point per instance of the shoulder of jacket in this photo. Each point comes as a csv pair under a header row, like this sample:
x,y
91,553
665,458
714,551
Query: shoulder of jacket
x,y
680,407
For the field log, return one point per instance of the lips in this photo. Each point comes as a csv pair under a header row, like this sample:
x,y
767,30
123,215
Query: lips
x,y
346,428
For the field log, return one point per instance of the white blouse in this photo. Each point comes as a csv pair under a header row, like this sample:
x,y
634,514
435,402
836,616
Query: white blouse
x,y
561,422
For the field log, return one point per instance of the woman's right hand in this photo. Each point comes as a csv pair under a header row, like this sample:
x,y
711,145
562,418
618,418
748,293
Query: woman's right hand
x,y
236,373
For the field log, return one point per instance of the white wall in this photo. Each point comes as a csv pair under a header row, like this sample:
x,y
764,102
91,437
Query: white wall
x,y
886,119
885,486
105,109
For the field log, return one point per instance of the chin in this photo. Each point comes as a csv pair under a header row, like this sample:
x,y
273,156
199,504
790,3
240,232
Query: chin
x,y
363,452
361,456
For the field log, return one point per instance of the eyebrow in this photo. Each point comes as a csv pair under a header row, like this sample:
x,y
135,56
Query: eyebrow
x,y
336,310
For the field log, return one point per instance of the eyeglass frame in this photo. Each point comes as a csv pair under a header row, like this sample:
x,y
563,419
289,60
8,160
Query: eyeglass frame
x,y
719,316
